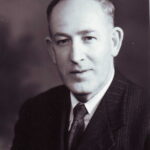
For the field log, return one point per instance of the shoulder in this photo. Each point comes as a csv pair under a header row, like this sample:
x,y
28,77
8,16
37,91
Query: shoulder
x,y
51,98
137,93
136,102
120,81
134,96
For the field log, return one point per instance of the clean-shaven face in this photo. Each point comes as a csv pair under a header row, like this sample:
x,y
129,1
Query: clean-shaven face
x,y
82,46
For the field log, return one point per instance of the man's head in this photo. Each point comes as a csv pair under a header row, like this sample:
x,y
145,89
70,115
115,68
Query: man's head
x,y
83,42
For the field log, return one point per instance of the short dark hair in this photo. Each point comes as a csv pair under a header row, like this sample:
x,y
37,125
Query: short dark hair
x,y
107,5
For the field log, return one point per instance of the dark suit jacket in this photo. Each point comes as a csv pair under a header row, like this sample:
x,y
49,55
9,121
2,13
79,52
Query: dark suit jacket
x,y
119,123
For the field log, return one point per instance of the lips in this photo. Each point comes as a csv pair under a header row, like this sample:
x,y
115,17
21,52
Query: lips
x,y
80,75
79,71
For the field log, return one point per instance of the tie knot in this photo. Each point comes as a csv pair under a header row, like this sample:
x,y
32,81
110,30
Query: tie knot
x,y
79,111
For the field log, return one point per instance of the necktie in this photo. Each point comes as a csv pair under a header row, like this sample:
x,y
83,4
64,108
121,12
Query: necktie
x,y
77,127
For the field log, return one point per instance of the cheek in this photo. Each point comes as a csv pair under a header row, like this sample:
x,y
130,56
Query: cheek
x,y
61,56
99,54
101,60
62,61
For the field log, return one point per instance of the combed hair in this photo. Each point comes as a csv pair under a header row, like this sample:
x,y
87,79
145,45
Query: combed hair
x,y
107,5
108,8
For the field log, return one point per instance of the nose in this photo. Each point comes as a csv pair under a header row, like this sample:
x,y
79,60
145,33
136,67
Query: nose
x,y
77,52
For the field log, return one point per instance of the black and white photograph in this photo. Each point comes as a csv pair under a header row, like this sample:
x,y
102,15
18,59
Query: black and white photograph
x,y
74,75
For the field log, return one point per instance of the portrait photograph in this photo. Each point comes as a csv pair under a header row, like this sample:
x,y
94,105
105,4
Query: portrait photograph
x,y
74,75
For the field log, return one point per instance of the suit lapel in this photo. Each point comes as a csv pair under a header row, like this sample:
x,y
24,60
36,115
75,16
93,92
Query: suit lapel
x,y
64,120
102,131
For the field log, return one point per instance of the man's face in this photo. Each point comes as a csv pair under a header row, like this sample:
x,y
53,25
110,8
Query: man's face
x,y
82,45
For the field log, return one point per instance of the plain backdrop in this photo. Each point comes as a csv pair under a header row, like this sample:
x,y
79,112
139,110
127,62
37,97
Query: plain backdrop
x,y
26,68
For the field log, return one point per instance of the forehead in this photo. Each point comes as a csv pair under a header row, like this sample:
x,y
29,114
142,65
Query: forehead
x,y
80,14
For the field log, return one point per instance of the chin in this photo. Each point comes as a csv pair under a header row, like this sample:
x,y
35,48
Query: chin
x,y
79,88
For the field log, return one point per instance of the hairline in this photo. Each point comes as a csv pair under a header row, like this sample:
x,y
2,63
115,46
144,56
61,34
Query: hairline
x,y
107,6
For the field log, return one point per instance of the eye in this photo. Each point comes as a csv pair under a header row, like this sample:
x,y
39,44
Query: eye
x,y
89,38
62,42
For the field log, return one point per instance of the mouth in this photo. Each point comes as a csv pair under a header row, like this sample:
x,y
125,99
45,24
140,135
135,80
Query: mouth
x,y
78,72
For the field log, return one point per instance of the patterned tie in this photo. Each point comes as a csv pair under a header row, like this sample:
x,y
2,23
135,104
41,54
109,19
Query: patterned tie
x,y
77,127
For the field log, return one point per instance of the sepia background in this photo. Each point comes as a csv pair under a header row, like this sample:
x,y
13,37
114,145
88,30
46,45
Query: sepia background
x,y
26,68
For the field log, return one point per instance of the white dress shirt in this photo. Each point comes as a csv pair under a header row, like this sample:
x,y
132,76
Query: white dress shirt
x,y
91,104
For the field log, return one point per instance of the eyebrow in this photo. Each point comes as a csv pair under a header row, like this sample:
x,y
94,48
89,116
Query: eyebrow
x,y
84,32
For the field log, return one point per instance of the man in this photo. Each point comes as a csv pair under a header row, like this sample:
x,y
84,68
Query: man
x,y
97,109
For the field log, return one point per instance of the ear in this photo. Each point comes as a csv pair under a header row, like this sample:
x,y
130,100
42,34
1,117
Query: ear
x,y
50,48
117,37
